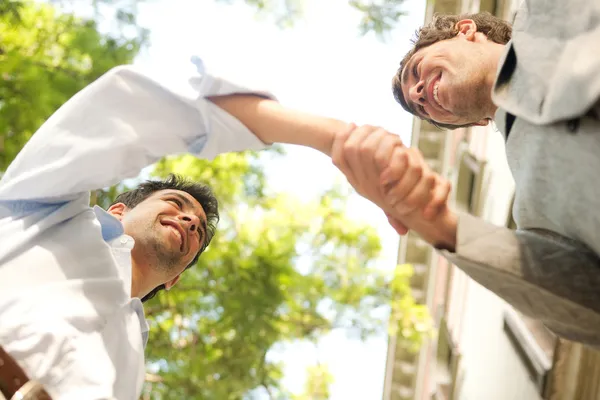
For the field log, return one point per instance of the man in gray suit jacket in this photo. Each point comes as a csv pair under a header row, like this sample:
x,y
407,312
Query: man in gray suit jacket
x,y
540,83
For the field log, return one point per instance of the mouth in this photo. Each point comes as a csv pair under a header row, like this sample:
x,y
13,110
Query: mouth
x,y
433,92
177,231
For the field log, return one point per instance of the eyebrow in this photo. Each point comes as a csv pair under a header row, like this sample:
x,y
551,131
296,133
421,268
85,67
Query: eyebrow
x,y
190,205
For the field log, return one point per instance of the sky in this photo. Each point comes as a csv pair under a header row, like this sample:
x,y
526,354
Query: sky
x,y
321,66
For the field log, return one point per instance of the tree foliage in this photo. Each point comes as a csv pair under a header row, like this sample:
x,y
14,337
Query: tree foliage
x,y
47,54
377,16
45,58
317,383
278,270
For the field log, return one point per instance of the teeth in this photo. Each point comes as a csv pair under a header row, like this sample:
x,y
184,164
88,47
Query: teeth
x,y
176,232
435,93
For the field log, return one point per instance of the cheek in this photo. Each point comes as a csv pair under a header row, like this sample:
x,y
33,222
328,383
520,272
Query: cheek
x,y
133,221
194,250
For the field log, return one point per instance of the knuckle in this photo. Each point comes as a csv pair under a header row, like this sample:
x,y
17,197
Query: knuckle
x,y
430,179
413,151
402,157
380,132
380,158
349,147
364,147
447,187
343,135
410,202
368,128
417,169
437,201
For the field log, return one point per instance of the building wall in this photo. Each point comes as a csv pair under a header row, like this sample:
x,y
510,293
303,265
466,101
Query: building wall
x,y
491,366
483,350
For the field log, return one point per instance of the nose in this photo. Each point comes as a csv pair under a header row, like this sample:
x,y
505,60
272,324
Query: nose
x,y
417,93
191,222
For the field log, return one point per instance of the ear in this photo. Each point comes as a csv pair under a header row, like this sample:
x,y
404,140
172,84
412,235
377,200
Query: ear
x,y
467,28
117,210
172,282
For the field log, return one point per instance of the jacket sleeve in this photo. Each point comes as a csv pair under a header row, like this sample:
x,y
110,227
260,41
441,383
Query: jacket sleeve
x,y
543,275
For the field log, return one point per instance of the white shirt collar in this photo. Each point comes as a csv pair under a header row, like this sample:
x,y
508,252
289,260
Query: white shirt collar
x,y
121,245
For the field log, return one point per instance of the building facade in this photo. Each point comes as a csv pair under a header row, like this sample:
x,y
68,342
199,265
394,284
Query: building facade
x,y
483,348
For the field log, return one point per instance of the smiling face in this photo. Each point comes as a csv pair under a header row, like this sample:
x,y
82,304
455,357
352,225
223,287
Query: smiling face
x,y
450,81
169,229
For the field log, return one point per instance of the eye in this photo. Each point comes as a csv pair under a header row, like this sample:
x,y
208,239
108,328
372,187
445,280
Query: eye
x,y
176,201
415,70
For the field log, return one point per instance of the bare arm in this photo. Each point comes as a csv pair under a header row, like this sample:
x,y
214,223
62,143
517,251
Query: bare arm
x,y
273,123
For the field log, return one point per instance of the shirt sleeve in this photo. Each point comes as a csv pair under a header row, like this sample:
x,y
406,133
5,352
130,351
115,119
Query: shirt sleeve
x,y
542,274
119,124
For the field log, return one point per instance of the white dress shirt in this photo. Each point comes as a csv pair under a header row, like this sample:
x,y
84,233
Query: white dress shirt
x,y
66,310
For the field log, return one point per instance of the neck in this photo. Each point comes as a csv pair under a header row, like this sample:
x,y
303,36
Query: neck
x,y
496,51
140,286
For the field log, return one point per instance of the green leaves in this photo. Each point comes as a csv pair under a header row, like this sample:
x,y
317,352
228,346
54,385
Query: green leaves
x,y
378,16
278,270
45,58
317,383
410,321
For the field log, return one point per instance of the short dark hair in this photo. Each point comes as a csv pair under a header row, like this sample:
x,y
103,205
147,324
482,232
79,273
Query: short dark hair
x,y
443,27
202,193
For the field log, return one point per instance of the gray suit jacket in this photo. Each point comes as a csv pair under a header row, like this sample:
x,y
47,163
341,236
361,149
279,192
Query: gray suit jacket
x,y
549,80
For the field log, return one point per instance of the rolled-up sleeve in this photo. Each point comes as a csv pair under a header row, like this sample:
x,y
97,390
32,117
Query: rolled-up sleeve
x,y
119,124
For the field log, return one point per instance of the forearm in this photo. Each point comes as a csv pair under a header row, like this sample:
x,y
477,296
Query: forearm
x,y
273,123
543,275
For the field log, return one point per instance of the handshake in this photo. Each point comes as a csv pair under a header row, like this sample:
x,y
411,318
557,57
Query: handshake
x,y
399,181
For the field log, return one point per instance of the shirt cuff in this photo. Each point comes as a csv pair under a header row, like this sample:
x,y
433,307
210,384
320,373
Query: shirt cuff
x,y
483,243
224,132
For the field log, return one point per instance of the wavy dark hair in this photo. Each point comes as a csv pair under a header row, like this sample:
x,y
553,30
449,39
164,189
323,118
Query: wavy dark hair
x,y
202,193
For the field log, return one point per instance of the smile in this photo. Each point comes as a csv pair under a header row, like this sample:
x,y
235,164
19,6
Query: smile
x,y
177,231
433,91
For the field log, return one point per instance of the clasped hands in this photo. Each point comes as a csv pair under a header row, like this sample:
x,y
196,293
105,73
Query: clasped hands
x,y
398,180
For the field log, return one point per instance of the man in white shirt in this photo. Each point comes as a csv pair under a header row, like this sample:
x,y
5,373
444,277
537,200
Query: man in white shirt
x,y
71,277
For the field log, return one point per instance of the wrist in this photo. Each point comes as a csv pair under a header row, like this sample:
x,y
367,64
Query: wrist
x,y
447,233
440,232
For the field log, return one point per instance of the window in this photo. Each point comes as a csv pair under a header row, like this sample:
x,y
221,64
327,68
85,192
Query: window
x,y
447,365
533,341
469,178
510,221
490,6
534,344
